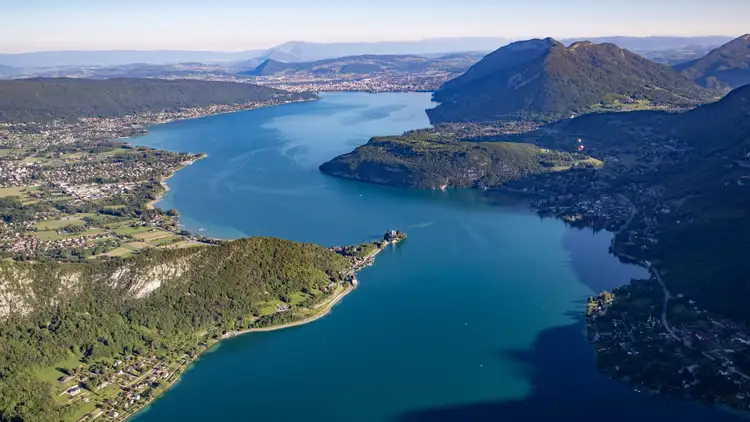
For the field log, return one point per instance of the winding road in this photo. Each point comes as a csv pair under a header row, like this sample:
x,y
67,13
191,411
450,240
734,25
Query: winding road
x,y
652,269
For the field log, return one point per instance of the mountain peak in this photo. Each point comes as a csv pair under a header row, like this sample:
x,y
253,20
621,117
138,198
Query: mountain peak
x,y
578,44
543,80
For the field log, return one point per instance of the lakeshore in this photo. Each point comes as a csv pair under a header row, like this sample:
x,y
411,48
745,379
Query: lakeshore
x,y
319,311
469,316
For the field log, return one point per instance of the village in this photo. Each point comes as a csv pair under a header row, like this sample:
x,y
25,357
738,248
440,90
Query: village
x,y
697,355
395,82
69,193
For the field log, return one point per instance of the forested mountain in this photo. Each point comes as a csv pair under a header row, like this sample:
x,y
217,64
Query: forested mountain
x,y
703,182
424,159
454,63
45,99
724,68
544,80
160,302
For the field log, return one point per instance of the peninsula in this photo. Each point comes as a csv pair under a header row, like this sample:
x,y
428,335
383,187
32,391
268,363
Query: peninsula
x,y
154,313
670,182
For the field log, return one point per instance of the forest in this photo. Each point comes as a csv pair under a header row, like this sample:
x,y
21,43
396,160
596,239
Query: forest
x,y
160,302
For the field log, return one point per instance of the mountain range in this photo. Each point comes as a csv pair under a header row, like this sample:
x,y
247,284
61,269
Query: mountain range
x,y
724,68
545,80
299,51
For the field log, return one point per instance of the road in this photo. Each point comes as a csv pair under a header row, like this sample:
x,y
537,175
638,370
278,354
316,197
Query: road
x,y
667,297
654,271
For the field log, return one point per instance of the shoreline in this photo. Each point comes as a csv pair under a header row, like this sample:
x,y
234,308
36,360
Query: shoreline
x,y
328,307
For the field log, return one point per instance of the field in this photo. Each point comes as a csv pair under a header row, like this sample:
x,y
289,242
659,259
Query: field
x,y
51,373
19,192
58,224
154,235
132,231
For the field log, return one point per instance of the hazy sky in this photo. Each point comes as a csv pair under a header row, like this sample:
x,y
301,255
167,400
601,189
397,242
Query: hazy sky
x,y
33,25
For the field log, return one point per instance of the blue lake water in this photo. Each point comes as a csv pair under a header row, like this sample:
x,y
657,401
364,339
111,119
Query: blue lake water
x,y
475,317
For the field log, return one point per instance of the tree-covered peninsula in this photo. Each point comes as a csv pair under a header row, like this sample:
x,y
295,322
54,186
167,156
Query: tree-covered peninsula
x,y
105,337
426,159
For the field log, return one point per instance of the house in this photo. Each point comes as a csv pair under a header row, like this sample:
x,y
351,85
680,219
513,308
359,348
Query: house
x,y
73,391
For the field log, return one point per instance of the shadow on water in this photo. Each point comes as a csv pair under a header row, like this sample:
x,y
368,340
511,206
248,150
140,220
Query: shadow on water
x,y
561,391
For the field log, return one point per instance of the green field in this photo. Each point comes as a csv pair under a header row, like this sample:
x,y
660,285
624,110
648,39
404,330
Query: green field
x,y
20,192
155,235
121,252
132,231
5,152
50,374
58,224
82,410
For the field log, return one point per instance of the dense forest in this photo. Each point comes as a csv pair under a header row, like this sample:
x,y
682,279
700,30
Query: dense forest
x,y
44,99
154,303
428,160
544,80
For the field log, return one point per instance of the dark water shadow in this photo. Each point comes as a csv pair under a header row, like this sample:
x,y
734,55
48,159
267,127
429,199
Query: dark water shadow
x,y
566,386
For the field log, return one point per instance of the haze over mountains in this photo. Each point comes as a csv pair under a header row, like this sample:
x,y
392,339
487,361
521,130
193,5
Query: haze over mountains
x,y
298,51
543,79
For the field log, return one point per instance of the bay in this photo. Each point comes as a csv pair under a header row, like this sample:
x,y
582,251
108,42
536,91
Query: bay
x,y
475,317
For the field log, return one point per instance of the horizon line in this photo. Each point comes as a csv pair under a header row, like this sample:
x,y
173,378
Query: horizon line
x,y
499,37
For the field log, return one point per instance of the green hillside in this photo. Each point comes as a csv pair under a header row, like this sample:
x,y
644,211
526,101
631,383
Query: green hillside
x,y
544,80
45,99
427,160
163,303
724,68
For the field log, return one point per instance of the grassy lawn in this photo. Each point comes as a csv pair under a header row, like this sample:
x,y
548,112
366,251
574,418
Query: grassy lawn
x,y
115,152
297,297
82,410
165,241
58,224
269,307
153,235
21,192
5,152
121,251
136,246
48,235
131,231
51,374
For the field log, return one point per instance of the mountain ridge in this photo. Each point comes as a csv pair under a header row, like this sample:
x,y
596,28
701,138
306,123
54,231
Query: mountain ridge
x,y
724,68
44,99
544,80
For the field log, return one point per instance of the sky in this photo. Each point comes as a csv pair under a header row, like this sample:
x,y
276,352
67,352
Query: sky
x,y
233,25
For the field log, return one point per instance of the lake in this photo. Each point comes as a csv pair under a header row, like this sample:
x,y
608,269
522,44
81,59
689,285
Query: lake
x,y
476,316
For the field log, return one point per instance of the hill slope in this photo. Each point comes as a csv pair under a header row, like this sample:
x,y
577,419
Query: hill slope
x,y
427,160
162,302
368,64
724,68
45,99
544,80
